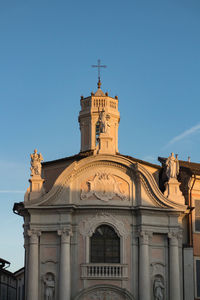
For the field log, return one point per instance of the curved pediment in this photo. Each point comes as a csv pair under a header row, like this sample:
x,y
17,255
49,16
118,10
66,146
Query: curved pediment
x,y
106,180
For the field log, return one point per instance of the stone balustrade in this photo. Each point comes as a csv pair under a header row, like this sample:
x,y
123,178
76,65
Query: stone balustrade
x,y
110,271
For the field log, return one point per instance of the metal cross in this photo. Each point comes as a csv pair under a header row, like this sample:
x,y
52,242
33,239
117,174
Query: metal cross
x,y
99,66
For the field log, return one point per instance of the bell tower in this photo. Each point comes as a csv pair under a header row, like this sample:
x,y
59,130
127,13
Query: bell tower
x,y
99,120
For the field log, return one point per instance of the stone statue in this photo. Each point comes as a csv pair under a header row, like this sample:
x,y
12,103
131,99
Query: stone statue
x,y
158,289
49,286
172,165
104,123
36,167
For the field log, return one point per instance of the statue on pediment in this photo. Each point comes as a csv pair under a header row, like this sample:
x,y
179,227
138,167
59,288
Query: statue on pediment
x,y
172,166
36,167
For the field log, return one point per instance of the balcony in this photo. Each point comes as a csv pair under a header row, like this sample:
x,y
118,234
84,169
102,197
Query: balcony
x,y
104,271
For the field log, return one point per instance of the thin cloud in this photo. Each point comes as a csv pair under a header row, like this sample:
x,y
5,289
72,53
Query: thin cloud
x,y
150,158
183,135
11,192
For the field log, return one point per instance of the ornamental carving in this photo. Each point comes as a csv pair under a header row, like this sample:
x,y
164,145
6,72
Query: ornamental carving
x,y
104,295
104,187
144,237
88,227
65,234
174,238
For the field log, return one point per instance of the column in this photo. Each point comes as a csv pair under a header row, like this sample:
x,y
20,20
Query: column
x,y
144,272
32,276
174,270
26,245
65,272
135,266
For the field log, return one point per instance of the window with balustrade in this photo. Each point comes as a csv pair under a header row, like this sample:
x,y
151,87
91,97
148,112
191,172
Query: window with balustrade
x,y
104,260
105,245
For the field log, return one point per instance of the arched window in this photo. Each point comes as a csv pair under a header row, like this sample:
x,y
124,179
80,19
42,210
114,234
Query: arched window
x,y
97,131
105,246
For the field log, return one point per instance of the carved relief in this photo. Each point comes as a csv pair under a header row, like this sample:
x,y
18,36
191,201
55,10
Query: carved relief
x,y
105,187
104,295
88,227
158,268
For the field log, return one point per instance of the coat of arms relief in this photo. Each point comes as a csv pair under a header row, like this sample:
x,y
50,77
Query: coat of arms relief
x,y
104,186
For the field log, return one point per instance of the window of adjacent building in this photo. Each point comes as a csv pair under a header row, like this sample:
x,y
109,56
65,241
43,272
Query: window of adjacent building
x,y
19,292
197,215
105,245
198,277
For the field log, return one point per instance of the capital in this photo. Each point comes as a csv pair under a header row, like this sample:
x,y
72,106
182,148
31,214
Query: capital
x,y
174,238
65,235
145,237
33,236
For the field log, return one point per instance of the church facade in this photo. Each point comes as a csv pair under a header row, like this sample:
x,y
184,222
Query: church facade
x,y
104,226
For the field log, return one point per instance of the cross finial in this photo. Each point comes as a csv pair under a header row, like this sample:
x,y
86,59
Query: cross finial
x,y
99,66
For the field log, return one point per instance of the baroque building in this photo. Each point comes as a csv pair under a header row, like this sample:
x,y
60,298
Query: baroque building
x,y
101,225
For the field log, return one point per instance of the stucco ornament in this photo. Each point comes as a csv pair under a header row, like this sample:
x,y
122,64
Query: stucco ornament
x,y
36,159
49,286
104,187
172,166
104,295
88,227
158,289
104,122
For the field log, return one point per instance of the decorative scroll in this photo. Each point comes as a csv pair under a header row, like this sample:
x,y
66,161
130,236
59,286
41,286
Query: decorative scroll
x,y
104,187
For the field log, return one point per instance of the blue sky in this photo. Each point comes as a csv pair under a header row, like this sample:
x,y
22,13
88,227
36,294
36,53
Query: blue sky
x,y
152,53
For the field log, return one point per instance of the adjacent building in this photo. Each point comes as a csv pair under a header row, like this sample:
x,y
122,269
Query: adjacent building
x,y
11,284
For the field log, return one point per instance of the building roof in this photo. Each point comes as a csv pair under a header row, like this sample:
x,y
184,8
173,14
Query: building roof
x,y
194,168
52,169
3,263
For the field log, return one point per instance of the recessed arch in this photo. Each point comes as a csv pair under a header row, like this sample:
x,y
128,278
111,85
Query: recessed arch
x,y
104,292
